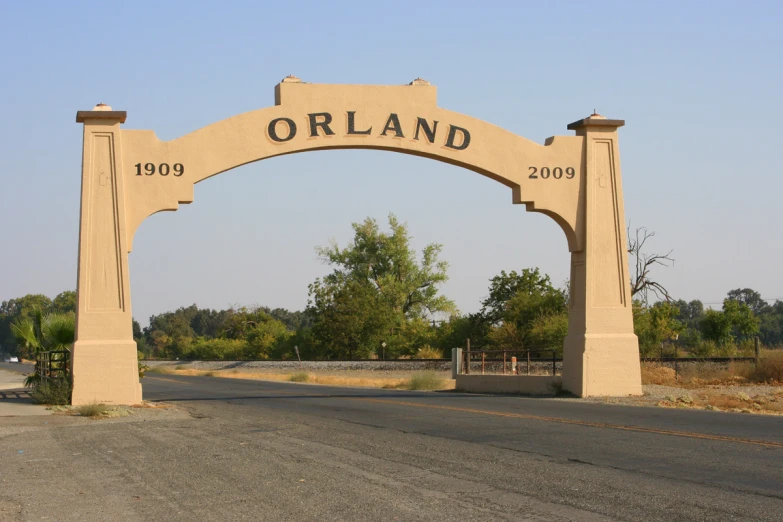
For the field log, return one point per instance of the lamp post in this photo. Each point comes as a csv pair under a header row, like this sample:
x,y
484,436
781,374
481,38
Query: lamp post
x,y
383,350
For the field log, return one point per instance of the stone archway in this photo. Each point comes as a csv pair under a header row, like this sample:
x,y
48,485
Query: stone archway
x,y
128,175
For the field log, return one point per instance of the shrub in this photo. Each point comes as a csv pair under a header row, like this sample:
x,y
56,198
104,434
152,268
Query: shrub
x,y
704,349
299,377
53,392
426,381
92,410
428,352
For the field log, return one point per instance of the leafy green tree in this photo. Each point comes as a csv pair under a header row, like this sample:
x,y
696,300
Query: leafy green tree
x,y
388,263
655,325
265,338
379,291
771,325
350,317
19,308
735,321
65,301
751,298
525,310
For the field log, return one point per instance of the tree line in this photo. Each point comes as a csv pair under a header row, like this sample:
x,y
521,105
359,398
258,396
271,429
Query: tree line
x,y
383,300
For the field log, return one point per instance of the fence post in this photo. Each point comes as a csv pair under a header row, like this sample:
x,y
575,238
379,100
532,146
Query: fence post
x,y
676,366
504,362
456,362
528,362
467,357
757,350
483,355
554,362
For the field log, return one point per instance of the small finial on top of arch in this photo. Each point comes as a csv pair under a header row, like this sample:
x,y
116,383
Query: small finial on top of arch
x,y
101,107
597,116
419,81
291,79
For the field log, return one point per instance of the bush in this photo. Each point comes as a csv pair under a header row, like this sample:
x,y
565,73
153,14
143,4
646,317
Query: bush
x,y
428,352
426,381
704,349
52,392
299,377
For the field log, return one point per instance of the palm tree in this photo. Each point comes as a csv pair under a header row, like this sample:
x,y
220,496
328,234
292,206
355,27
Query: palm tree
x,y
44,332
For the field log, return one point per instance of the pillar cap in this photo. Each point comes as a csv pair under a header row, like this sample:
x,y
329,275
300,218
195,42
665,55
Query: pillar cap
x,y
595,120
101,112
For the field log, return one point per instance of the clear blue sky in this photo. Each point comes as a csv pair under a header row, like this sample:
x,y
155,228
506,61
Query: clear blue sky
x,y
699,84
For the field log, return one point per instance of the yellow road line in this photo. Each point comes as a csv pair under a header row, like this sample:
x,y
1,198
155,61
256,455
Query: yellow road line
x,y
561,420
164,379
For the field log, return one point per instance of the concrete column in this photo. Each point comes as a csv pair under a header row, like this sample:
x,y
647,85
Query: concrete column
x,y
456,362
601,352
105,366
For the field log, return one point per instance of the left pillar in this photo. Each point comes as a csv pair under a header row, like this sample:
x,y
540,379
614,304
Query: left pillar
x,y
105,364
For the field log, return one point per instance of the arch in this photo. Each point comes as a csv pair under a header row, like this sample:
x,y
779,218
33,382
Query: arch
x,y
128,175
403,119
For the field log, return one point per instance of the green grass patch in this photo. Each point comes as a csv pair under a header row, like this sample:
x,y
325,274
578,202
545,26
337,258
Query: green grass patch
x,y
299,377
426,381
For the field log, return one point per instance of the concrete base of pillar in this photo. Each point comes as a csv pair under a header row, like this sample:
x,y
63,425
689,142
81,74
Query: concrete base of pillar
x,y
602,365
105,372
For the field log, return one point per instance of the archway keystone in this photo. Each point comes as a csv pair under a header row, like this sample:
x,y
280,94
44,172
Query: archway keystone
x,y
128,175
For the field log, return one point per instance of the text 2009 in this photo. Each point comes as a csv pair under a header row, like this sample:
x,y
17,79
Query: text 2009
x,y
556,173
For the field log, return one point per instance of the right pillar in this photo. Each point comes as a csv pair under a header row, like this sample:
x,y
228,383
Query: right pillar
x,y
601,351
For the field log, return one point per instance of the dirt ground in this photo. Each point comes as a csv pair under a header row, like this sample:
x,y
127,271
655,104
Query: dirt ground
x,y
739,398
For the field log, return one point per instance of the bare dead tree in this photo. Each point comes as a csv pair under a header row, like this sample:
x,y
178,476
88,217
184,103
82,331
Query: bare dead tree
x,y
641,282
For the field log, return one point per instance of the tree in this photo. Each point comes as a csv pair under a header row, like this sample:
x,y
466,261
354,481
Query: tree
x,y
771,325
656,324
65,301
735,321
751,298
689,313
350,317
379,291
524,309
643,263
390,265
19,308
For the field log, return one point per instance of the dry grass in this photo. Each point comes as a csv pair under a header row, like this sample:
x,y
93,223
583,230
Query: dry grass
x,y
656,374
92,410
719,400
426,381
361,378
768,371
428,352
299,377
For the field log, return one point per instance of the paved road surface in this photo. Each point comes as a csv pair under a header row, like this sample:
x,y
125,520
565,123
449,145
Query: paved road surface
x,y
282,451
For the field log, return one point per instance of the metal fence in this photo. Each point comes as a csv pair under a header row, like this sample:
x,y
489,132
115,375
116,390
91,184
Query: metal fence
x,y
514,362
53,365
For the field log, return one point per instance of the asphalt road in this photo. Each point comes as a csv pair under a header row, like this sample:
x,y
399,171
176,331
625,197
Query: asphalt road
x,y
249,450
